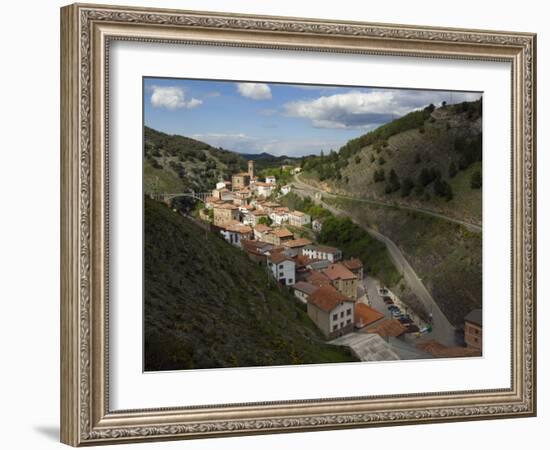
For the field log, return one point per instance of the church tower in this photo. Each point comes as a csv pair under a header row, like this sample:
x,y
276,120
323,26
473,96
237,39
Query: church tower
x,y
251,169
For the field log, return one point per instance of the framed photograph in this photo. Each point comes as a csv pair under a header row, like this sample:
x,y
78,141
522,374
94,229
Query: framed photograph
x,y
275,224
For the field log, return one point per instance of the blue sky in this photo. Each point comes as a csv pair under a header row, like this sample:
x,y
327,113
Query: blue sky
x,y
287,119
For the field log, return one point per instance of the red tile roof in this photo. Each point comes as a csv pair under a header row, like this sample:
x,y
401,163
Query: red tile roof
x,y
440,351
390,327
339,271
365,315
279,257
353,263
282,232
327,298
300,242
306,288
318,278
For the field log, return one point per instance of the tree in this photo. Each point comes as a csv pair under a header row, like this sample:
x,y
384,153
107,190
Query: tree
x,y
476,180
379,175
417,159
357,159
407,186
452,170
393,183
443,189
265,221
381,161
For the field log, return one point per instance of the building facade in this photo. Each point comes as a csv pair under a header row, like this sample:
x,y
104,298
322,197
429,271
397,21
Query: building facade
x,y
225,213
240,181
298,218
283,268
322,252
342,279
473,329
332,312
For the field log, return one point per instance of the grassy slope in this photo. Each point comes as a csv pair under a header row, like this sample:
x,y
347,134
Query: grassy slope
x,y
207,305
408,152
445,255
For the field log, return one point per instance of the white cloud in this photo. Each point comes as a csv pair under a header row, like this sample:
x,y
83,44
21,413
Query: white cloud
x,y
367,109
172,97
255,91
243,143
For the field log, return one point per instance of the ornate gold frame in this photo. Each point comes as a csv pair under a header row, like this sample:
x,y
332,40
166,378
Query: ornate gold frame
x,y
86,31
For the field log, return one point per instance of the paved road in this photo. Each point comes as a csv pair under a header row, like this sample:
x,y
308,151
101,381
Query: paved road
x,y
443,331
470,226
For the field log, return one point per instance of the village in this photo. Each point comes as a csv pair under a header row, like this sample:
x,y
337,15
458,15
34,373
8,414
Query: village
x,y
347,307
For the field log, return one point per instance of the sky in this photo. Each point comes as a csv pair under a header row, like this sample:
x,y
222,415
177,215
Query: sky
x,y
281,119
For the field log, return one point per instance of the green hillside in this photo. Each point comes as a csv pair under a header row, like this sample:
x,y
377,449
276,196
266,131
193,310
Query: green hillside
x,y
207,305
175,163
425,159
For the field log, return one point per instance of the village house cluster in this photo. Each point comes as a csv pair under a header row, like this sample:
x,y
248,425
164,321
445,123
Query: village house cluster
x,y
245,213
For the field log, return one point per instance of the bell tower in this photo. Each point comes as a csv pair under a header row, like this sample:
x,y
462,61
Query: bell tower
x,y
251,169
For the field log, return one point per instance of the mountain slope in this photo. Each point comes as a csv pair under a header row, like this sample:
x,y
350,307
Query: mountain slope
x,y
207,305
175,163
425,159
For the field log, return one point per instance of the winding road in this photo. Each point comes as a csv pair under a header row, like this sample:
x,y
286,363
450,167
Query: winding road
x,y
470,226
443,331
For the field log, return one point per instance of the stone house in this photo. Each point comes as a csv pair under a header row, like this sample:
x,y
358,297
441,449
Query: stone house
x,y
332,312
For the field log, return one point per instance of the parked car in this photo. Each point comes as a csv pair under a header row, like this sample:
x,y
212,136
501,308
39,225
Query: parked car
x,y
405,319
393,308
425,330
396,313
382,291
387,300
412,328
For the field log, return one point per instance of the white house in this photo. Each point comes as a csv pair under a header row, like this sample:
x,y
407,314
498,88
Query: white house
x,y
270,179
322,252
317,225
283,268
279,217
286,189
303,289
299,218
234,232
264,189
331,311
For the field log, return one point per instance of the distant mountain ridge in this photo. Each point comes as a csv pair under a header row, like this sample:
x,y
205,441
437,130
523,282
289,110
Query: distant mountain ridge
x,y
174,163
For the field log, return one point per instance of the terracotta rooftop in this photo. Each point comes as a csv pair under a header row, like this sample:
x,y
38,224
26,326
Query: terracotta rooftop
x,y
226,206
241,174
300,242
353,263
262,228
301,260
389,328
272,204
440,351
318,278
282,232
306,288
339,271
365,315
279,257
327,298
258,247
298,213
258,213
262,184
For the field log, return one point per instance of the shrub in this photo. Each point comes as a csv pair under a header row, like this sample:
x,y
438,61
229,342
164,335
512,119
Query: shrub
x,y
476,180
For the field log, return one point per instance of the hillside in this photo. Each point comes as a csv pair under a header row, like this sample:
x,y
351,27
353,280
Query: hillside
x,y
175,163
446,256
428,159
207,305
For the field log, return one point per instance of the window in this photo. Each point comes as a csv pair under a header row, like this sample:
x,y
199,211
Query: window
x,y
281,266
348,322
335,317
342,314
334,327
290,280
348,312
476,331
